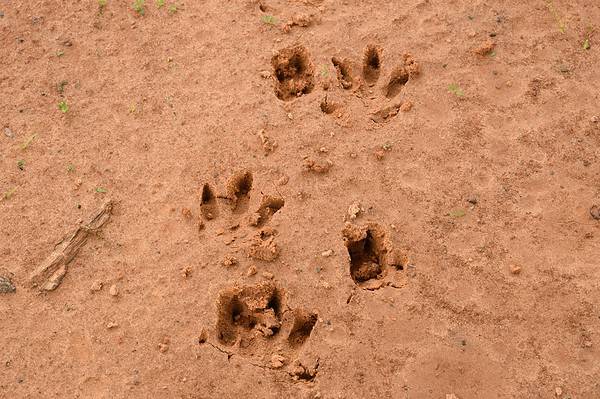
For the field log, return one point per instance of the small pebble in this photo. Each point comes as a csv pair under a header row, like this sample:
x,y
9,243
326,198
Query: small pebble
x,y
251,271
203,337
515,269
8,132
327,254
268,275
277,361
558,391
96,286
112,325
114,291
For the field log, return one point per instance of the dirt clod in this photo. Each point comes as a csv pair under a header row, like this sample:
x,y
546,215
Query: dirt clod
x,y
6,285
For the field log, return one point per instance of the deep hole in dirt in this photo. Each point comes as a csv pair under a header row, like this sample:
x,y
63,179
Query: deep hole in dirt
x,y
304,322
372,64
294,72
365,262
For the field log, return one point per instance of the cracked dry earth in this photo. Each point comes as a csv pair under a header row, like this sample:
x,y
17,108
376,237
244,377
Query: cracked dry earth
x,y
302,199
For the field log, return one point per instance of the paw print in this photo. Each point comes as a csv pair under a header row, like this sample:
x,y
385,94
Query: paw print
x,y
293,73
234,205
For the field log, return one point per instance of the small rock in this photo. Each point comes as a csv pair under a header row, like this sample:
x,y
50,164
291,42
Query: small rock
x,y
6,286
406,106
587,344
277,361
251,271
595,212
472,200
187,213
558,391
515,269
354,210
268,275
111,325
327,254
186,272
96,286
265,74
595,119
451,396
8,132
163,346
114,291
283,180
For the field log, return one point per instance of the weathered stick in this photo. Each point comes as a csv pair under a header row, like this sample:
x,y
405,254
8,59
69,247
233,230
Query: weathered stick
x,y
51,271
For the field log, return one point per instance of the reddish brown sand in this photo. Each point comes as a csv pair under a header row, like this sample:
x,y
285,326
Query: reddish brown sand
x,y
311,199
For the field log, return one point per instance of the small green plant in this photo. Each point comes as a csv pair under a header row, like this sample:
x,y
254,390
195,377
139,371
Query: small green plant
x,y
172,9
64,108
160,3
586,44
562,27
387,146
28,142
70,168
9,193
60,53
456,90
324,71
269,19
101,6
100,190
138,6
457,213
21,164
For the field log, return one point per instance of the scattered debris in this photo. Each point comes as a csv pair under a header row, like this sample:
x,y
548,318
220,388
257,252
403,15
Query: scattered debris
x,y
229,261
49,274
268,144
268,275
251,271
263,246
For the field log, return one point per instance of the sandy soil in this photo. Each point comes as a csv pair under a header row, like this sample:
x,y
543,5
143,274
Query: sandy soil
x,y
302,199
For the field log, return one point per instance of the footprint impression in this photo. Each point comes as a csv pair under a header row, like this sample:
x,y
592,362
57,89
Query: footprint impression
x,y
293,73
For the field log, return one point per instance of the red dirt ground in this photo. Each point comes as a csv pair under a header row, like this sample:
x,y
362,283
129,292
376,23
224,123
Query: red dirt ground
x,y
310,199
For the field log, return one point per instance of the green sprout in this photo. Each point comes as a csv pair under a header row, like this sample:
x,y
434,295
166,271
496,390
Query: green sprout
x,y
172,9
70,168
456,90
138,6
9,193
457,213
586,44
100,190
27,142
269,19
60,53
160,3
324,71
101,6
63,107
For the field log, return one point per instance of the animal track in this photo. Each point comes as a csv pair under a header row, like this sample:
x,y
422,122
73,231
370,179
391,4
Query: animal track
x,y
262,245
372,255
255,322
293,74
293,71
